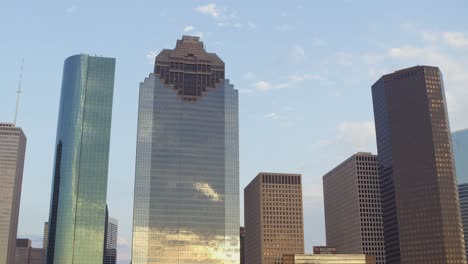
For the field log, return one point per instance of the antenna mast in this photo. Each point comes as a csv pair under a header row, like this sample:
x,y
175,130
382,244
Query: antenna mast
x,y
18,92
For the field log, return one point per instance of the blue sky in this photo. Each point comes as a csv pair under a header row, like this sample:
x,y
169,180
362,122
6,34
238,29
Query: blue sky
x,y
303,69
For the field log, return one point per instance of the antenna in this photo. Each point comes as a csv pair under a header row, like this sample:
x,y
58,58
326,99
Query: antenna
x,y
18,92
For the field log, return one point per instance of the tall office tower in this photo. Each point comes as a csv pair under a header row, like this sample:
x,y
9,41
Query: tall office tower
x,y
12,151
79,188
111,241
273,218
460,152
353,207
45,238
186,206
421,213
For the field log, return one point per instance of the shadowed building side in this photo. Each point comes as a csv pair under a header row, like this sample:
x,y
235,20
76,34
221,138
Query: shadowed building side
x,y
420,202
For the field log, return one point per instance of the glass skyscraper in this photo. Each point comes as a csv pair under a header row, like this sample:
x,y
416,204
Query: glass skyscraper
x,y
460,151
79,188
186,207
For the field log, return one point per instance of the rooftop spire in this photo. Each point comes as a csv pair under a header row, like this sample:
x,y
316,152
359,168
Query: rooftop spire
x,y
18,92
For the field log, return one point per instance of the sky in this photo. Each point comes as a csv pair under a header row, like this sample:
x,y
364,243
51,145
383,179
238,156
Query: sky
x,y
303,69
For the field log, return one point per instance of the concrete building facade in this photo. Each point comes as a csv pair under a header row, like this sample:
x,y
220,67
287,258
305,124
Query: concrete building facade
x,y
273,213
12,154
353,207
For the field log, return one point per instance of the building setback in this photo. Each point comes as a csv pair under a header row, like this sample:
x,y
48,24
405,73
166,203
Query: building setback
x,y
12,152
273,218
460,151
186,206
79,188
353,207
420,203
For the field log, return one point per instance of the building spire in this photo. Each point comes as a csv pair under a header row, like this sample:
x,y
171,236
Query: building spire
x,y
18,92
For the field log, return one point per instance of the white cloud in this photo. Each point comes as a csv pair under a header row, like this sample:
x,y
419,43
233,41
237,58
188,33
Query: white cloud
x,y
273,116
263,86
360,135
252,25
456,39
291,81
188,28
150,56
71,9
198,34
209,9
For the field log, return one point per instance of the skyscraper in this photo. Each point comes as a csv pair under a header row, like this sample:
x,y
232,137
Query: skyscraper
x,y
79,188
353,207
12,151
274,223
111,241
419,194
460,151
186,206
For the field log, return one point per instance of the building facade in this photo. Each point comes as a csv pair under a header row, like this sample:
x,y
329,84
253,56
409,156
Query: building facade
x,y
460,151
112,228
353,207
186,206
242,245
25,254
421,213
23,250
273,218
45,238
12,152
79,188
328,259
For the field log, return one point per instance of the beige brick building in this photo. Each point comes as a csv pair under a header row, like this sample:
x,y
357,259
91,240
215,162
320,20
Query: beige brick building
x,y
273,218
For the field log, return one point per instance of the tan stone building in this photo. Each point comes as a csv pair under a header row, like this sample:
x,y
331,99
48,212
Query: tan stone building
x,y
12,153
328,259
273,218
